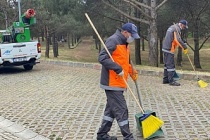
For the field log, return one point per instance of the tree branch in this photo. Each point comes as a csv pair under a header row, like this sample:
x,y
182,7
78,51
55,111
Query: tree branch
x,y
139,4
142,12
126,15
190,46
203,8
161,4
207,37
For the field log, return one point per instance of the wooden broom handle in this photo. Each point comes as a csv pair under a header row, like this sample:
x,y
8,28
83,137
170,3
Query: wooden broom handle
x,y
102,42
192,66
91,23
191,62
133,95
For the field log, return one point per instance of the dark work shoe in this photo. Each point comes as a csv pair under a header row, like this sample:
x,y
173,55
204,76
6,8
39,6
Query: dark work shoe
x,y
106,137
165,82
174,84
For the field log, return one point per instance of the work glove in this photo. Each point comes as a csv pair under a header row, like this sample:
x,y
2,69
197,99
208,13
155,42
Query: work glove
x,y
185,51
134,75
121,73
184,41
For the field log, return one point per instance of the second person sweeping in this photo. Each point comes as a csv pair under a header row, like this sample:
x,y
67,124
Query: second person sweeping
x,y
172,40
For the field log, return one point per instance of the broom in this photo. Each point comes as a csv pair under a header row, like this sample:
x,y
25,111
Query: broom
x,y
201,83
150,123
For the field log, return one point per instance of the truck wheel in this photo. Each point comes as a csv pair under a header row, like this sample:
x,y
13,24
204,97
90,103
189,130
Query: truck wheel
x,y
28,67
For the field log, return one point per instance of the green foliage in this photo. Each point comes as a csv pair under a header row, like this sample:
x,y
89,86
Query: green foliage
x,y
64,17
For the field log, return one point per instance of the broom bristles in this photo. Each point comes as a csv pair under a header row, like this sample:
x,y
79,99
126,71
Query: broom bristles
x,y
150,125
202,84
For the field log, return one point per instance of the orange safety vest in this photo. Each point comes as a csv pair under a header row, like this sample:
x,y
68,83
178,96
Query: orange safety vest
x,y
121,57
175,44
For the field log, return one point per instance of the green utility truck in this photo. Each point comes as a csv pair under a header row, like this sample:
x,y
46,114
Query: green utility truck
x,y
16,47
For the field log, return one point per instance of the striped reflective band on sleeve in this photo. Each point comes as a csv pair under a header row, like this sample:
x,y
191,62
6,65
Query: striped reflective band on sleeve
x,y
171,69
164,50
108,118
125,122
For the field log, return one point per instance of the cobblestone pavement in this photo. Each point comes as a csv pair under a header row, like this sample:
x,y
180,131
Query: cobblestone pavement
x,y
4,135
62,102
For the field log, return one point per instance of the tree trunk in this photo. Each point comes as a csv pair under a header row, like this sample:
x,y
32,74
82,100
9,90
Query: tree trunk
x,y
53,41
47,42
68,40
137,52
197,59
179,57
99,46
153,48
50,39
142,44
96,43
43,35
38,39
75,39
137,42
161,52
55,45
196,42
72,40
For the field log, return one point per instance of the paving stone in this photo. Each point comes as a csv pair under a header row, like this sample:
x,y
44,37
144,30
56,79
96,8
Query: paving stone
x,y
1,118
26,134
6,123
39,137
15,128
4,135
63,100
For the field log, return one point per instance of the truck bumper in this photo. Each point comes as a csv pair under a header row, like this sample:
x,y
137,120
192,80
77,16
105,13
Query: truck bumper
x,y
11,62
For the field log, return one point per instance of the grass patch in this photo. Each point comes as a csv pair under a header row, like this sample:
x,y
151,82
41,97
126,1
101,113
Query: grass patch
x,y
86,52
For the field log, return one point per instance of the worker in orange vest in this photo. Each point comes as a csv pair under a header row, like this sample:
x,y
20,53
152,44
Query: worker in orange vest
x,y
171,41
112,82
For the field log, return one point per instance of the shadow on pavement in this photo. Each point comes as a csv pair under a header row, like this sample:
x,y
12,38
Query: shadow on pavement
x,y
11,70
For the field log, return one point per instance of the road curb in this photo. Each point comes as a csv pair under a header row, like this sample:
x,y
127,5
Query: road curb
x,y
19,131
142,70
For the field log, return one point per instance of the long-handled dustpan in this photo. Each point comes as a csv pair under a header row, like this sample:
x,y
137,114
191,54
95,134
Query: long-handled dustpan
x,y
201,83
138,116
150,123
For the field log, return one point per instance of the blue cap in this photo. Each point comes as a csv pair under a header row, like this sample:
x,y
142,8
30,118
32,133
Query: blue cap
x,y
131,28
184,22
